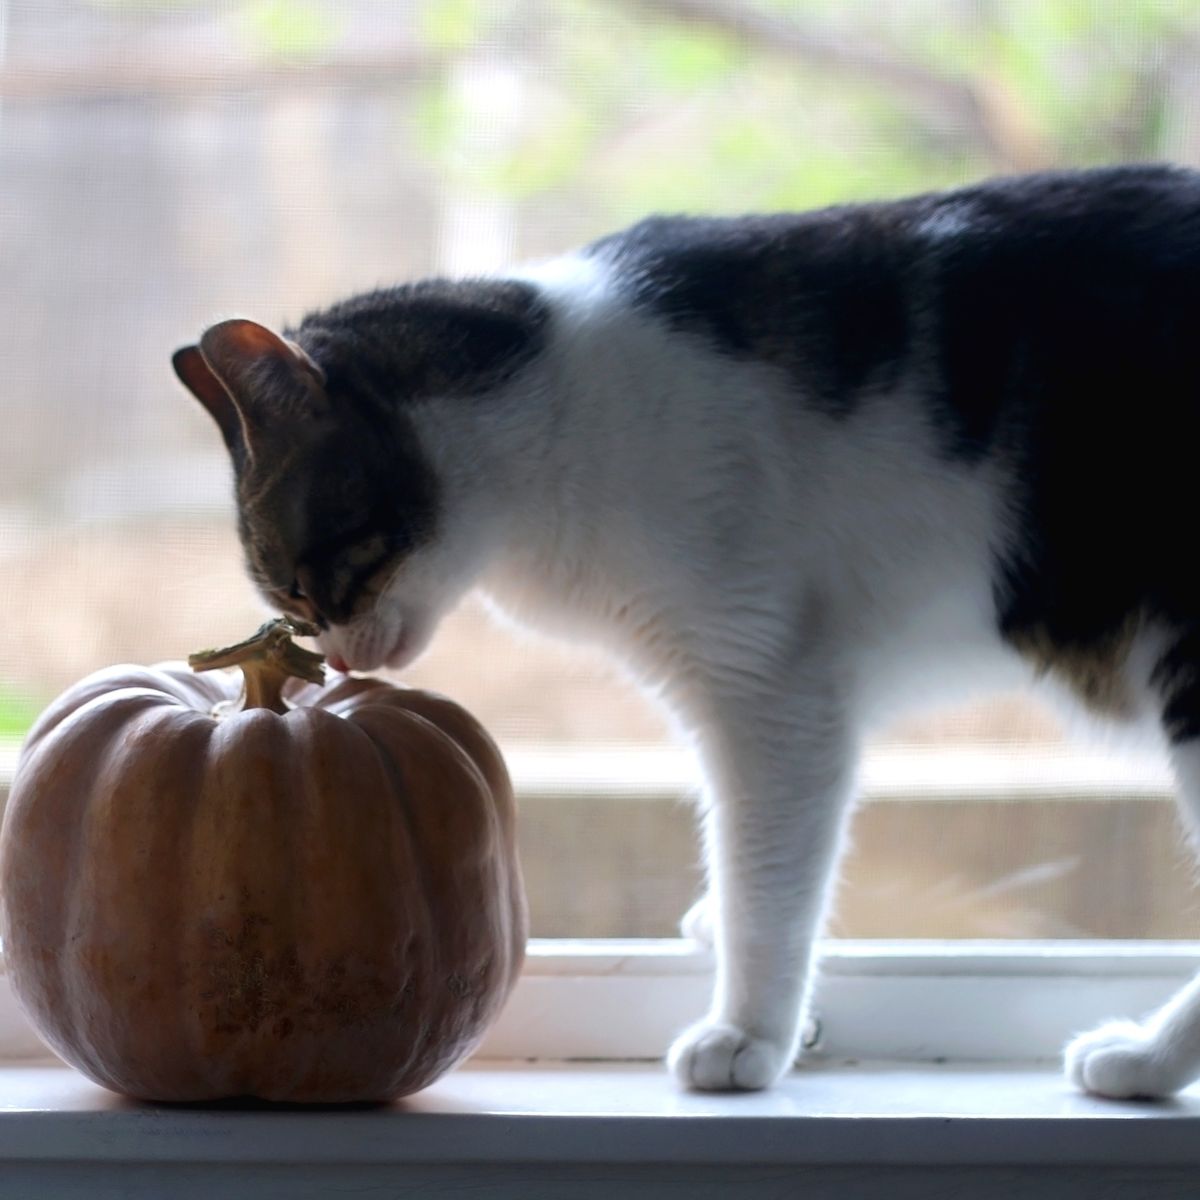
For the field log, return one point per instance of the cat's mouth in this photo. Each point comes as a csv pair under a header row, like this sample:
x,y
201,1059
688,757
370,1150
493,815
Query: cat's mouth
x,y
398,656
370,661
370,654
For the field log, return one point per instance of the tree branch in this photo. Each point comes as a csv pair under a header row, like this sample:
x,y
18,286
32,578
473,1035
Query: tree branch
x,y
147,77
972,107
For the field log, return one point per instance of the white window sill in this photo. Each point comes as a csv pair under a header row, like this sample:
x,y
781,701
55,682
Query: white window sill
x,y
535,1131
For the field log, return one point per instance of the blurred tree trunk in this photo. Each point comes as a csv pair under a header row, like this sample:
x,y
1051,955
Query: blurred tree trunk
x,y
477,225
93,77
489,91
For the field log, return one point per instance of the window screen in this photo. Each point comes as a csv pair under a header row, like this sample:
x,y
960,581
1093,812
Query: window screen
x,y
166,164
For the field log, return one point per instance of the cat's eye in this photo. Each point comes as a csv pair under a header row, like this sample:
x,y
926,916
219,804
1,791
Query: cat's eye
x,y
308,609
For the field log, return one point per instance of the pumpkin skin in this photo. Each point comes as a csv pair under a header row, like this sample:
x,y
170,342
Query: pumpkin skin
x,y
320,906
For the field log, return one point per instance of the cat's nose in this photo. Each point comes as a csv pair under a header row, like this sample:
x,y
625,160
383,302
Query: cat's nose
x,y
337,662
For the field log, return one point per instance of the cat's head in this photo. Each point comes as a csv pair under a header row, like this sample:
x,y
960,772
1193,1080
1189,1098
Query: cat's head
x,y
373,451
338,508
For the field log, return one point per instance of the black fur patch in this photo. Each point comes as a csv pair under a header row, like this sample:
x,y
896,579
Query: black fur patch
x,y
420,340
1052,325
821,295
337,510
1178,677
1068,351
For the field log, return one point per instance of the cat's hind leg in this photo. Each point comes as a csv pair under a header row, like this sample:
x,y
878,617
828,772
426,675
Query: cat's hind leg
x,y
696,923
1160,1055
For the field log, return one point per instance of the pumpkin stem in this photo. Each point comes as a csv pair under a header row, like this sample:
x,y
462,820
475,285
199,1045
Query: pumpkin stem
x,y
268,659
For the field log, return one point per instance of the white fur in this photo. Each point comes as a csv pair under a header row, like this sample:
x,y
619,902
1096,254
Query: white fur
x,y
784,580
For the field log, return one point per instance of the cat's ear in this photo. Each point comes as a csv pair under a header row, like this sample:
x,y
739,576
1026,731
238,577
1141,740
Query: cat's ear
x,y
268,377
197,376
248,378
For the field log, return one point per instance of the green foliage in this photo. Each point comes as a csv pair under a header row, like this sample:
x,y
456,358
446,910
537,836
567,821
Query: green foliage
x,y
683,59
544,159
620,109
294,29
17,714
449,25
624,108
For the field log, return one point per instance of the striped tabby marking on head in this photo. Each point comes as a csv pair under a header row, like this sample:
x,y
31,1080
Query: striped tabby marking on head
x,y
420,340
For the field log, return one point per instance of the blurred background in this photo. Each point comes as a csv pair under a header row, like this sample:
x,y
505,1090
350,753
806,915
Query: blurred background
x,y
167,163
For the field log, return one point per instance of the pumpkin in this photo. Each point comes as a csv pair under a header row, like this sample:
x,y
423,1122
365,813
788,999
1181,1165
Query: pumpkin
x,y
310,894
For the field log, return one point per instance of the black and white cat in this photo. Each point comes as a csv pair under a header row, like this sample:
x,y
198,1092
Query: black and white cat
x,y
798,472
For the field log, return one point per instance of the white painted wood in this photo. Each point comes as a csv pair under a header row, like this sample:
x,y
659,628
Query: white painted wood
x,y
949,774
919,1001
952,774
513,1132
585,1181
516,1113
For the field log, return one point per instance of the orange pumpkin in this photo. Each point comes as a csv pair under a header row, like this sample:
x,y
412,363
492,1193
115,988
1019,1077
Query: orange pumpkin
x,y
314,897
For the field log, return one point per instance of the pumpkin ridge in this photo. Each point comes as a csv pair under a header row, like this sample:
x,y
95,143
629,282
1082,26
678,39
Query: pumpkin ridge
x,y
72,714
144,850
431,1037
348,691
485,757
461,865
28,839
227,969
340,990
106,800
483,751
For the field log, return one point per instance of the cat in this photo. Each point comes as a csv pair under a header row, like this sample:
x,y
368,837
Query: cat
x,y
800,473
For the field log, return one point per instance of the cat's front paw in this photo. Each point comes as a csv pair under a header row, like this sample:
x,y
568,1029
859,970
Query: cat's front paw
x,y
1120,1061
716,1056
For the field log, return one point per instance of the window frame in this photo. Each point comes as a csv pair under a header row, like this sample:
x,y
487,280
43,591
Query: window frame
x,y
972,1001
969,1000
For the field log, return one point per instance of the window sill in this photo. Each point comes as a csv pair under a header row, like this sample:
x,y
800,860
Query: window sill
x,y
500,1129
